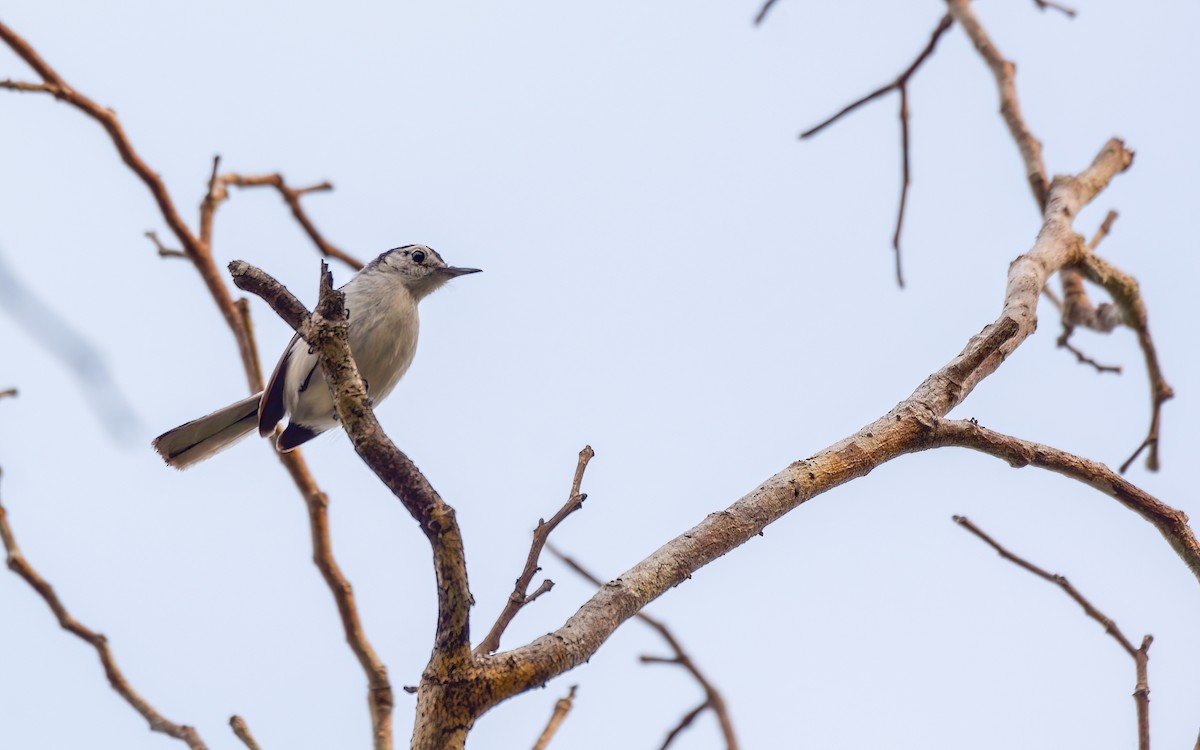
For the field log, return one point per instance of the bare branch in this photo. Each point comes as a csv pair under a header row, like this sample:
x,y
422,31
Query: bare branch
x,y
8,393
19,565
561,708
1124,290
243,732
763,11
1044,5
292,196
1004,73
163,250
1089,609
900,85
1140,655
683,724
199,253
1171,523
1064,342
712,697
519,598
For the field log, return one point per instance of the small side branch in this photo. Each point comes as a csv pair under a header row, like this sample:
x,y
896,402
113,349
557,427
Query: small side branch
x,y
291,196
163,250
763,11
1044,5
1005,74
1170,522
561,708
243,732
520,596
1124,290
19,565
712,697
8,393
1140,654
899,85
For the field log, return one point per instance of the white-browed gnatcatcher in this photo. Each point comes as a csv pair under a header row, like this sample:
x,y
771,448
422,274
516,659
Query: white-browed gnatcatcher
x,y
381,301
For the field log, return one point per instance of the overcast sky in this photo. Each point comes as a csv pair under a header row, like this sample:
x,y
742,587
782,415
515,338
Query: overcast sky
x,y
671,277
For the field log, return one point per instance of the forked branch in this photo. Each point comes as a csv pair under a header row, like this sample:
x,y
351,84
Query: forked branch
x,y
520,595
899,85
1139,654
712,697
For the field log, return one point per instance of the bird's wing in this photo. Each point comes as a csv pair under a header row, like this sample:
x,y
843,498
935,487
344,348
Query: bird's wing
x,y
271,408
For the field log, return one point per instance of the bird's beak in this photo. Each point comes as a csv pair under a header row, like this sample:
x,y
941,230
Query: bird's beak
x,y
453,271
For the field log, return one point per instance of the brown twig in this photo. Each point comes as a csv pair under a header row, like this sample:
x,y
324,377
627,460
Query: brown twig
x,y
198,248
561,708
292,196
1010,109
1171,523
520,596
8,393
243,732
19,565
712,697
163,250
1065,343
199,253
1044,5
1140,655
1127,297
900,85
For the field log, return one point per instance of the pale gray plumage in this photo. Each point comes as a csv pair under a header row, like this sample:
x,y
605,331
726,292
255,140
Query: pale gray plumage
x,y
381,301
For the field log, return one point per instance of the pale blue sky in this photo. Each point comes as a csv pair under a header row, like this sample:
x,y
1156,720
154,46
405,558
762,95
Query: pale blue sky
x,y
669,276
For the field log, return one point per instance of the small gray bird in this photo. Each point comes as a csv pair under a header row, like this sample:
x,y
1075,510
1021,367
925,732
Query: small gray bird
x,y
381,301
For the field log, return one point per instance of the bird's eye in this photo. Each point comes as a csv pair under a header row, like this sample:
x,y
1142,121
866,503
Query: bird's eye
x,y
418,256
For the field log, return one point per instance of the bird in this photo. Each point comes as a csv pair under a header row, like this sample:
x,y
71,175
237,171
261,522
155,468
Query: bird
x,y
381,302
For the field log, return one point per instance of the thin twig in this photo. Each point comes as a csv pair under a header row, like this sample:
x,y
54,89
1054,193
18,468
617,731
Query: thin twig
x,y
900,84
713,698
1010,109
8,393
763,11
1140,655
163,250
1044,5
683,724
243,732
519,596
1170,522
199,249
19,565
292,196
1127,296
561,708
1065,343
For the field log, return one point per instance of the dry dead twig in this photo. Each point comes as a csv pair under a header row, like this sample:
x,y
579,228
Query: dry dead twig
x,y
520,595
561,708
900,85
158,723
712,697
198,248
242,731
1139,654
